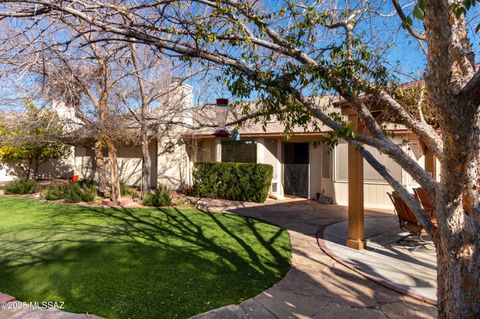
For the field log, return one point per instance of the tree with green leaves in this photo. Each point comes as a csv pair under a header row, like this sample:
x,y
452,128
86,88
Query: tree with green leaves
x,y
287,53
30,138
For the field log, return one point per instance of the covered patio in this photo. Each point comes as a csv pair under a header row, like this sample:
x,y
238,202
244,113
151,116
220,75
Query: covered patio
x,y
371,246
356,217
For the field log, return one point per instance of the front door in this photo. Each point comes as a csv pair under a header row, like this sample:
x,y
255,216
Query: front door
x,y
295,169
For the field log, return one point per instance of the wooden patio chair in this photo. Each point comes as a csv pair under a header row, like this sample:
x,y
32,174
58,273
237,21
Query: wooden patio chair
x,y
427,202
408,221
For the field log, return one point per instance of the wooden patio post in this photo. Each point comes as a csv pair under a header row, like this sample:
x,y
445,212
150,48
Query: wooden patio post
x,y
356,232
430,163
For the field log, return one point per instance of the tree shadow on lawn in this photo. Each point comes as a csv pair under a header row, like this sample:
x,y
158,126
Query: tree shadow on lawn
x,y
142,263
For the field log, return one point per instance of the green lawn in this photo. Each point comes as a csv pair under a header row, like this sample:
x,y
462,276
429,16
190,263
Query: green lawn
x,y
135,263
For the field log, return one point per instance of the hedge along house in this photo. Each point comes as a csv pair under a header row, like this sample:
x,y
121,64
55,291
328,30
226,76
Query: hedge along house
x,y
303,166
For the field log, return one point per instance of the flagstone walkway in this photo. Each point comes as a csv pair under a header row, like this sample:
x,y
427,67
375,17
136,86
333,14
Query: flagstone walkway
x,y
316,285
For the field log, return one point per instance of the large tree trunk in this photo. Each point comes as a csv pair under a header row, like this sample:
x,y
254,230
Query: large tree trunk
x,y
101,170
146,163
114,174
458,262
458,278
457,240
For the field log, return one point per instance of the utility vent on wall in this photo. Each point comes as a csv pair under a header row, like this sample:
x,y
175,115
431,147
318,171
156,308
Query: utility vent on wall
x,y
274,187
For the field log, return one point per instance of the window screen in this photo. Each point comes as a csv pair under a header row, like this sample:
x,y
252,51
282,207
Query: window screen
x,y
341,162
369,173
239,152
204,151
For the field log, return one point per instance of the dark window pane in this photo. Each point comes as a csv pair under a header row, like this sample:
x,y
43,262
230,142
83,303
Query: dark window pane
x,y
295,153
239,152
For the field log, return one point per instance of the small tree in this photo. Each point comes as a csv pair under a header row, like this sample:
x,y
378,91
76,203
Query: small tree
x,y
30,138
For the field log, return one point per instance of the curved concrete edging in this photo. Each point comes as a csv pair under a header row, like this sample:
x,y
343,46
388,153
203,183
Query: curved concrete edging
x,y
321,243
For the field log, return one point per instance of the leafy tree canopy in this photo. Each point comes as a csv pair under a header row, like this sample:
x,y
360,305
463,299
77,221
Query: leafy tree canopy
x,y
30,138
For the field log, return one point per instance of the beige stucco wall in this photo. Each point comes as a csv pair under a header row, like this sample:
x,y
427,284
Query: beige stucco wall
x,y
171,165
327,185
4,175
268,153
129,162
315,160
55,168
174,164
375,195
84,165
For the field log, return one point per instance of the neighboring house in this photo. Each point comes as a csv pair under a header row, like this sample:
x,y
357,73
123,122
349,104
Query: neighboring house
x,y
302,165
169,153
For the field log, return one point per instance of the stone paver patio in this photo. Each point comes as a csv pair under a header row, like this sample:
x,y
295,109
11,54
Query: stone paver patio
x,y
10,308
316,286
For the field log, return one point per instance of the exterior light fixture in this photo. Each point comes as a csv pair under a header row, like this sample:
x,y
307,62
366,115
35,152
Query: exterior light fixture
x,y
235,135
221,110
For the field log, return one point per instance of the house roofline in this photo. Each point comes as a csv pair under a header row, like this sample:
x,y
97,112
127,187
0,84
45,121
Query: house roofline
x,y
274,134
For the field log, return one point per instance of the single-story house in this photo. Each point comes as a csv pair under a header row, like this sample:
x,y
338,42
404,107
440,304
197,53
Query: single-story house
x,y
303,166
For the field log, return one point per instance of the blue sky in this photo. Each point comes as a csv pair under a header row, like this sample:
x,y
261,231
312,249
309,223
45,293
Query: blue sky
x,y
405,54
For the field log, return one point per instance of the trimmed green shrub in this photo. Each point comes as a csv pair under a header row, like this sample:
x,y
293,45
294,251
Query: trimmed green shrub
x,y
84,191
74,193
234,181
89,192
21,186
124,189
87,183
159,197
55,192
